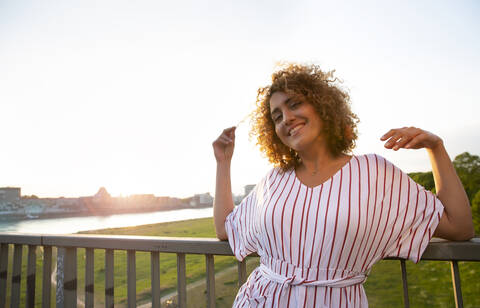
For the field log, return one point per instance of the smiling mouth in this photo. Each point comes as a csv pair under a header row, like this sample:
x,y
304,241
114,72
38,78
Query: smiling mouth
x,y
294,130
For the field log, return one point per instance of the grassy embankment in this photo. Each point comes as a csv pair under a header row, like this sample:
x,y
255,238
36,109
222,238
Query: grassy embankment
x,y
429,282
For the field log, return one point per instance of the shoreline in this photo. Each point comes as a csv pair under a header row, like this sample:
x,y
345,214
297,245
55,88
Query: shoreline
x,y
9,217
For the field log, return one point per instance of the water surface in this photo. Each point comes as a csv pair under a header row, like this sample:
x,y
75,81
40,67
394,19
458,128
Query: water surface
x,y
76,224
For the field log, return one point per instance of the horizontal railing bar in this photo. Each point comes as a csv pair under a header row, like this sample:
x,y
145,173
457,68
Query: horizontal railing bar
x,y
443,250
439,250
125,242
21,238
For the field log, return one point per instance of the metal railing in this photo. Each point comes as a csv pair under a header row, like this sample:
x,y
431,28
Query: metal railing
x,y
438,250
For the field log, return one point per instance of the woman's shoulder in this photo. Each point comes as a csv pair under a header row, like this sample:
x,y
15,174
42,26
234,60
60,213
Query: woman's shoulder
x,y
275,174
374,160
371,157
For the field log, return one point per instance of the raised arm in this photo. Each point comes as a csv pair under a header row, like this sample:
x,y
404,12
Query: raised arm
x,y
223,205
456,222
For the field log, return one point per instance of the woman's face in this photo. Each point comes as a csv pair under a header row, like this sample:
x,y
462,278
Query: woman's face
x,y
297,123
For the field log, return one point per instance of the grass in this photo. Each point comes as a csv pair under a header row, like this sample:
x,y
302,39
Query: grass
x,y
429,281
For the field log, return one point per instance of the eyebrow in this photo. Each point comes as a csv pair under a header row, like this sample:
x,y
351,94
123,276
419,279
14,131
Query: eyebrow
x,y
285,103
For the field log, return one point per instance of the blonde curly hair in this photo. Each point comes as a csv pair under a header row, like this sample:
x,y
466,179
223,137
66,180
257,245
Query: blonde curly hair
x,y
310,84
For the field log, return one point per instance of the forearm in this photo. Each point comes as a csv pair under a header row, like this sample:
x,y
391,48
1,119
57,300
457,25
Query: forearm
x,y
451,193
223,203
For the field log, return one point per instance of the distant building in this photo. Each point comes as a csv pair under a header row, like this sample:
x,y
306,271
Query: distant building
x,y
10,194
248,188
102,195
237,199
201,200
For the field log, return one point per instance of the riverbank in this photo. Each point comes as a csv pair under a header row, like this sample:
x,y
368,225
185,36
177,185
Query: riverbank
x,y
15,216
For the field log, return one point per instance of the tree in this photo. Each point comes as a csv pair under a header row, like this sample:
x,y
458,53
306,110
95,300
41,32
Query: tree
x,y
424,178
468,170
476,212
30,197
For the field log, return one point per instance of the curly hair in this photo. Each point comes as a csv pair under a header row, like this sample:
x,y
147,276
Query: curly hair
x,y
310,84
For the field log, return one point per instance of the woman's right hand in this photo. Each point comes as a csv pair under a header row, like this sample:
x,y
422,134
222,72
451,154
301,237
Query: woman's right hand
x,y
223,146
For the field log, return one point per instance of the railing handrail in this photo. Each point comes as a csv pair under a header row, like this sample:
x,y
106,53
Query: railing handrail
x,y
437,249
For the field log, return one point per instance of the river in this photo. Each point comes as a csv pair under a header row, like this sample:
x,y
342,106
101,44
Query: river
x,y
75,224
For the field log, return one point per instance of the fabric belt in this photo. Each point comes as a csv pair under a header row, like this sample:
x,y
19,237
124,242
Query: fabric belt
x,y
296,280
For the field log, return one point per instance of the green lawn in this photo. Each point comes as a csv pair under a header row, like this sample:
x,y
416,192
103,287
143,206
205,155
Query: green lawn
x,y
429,282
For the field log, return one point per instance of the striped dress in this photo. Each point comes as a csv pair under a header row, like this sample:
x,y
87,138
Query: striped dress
x,y
317,245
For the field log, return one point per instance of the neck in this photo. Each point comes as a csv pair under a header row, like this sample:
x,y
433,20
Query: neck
x,y
315,159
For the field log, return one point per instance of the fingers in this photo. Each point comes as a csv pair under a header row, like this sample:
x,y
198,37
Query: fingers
x,y
401,142
224,145
389,134
230,132
416,141
401,137
226,137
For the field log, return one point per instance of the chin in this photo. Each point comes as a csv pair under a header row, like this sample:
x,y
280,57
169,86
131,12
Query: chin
x,y
298,147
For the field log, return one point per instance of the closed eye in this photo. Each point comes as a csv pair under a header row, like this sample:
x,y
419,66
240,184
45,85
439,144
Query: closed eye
x,y
294,104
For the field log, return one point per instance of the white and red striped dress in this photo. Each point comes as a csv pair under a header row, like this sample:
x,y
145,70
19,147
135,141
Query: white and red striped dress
x,y
317,245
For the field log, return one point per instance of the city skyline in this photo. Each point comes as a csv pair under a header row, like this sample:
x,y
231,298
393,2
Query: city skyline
x,y
130,96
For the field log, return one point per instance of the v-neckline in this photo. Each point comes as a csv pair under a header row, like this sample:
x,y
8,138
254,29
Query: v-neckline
x,y
326,180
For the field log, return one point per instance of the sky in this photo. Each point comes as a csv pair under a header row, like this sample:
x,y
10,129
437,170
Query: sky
x,y
130,95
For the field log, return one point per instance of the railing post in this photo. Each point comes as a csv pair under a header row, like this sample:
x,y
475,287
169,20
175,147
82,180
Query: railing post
x,y
131,279
210,266
109,290
47,279
155,278
31,267
89,277
16,276
181,281
457,290
3,273
242,272
59,294
406,301
70,277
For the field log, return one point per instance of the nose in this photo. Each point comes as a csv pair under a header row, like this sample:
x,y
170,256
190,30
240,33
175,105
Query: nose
x,y
288,117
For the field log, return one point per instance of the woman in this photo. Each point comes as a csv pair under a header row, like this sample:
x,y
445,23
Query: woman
x,y
321,217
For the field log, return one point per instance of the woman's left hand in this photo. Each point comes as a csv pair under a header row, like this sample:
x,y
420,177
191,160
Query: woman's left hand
x,y
410,138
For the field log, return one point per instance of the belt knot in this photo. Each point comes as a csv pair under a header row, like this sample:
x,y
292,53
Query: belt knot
x,y
296,280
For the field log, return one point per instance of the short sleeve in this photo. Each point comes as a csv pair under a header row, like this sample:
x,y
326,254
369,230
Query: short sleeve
x,y
240,226
414,215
